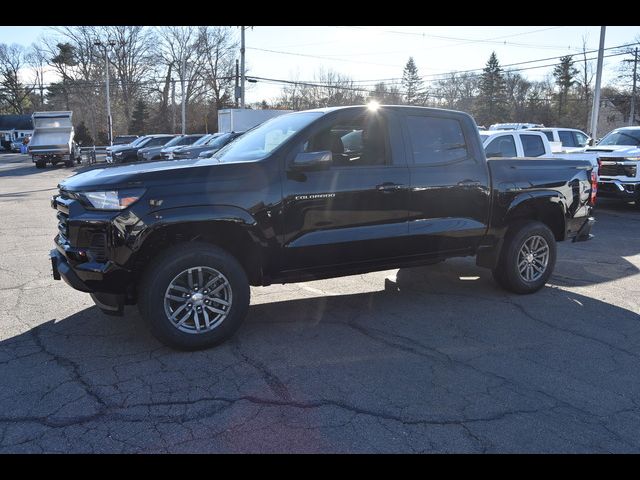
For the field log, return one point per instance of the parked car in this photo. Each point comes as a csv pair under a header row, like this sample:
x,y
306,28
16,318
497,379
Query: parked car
x,y
156,153
129,153
219,142
527,143
567,139
167,153
16,145
619,154
287,203
513,126
116,148
123,139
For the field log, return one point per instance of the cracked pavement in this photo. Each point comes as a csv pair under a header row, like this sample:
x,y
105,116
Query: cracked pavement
x,y
432,359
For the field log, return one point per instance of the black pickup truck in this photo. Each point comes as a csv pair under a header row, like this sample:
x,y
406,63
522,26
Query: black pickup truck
x,y
313,194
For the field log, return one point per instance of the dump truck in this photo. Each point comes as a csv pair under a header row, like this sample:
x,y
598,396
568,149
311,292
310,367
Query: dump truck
x,y
53,139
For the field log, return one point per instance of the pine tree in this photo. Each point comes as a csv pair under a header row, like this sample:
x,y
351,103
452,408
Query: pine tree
x,y
139,117
564,74
82,135
492,98
412,84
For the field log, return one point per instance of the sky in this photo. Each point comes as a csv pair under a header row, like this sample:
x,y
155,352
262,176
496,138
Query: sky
x,y
370,53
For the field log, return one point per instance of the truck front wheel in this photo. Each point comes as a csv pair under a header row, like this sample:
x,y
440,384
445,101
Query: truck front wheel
x,y
194,296
527,259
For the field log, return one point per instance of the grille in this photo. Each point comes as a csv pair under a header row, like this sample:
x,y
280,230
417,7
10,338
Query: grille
x,y
609,170
63,226
98,247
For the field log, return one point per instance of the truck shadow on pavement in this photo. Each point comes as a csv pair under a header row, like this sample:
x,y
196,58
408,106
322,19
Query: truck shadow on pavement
x,y
31,169
436,359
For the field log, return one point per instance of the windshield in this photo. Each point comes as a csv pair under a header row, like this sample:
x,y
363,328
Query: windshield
x,y
175,141
138,141
203,140
263,139
219,141
622,137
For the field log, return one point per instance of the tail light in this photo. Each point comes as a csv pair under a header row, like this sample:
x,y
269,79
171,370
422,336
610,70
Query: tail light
x,y
594,186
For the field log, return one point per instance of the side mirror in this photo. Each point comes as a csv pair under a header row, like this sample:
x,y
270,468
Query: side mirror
x,y
306,161
590,142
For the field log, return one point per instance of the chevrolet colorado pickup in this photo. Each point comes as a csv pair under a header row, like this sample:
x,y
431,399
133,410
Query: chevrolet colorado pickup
x,y
307,195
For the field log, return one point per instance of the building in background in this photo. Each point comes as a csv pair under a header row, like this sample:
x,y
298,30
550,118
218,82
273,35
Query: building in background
x,y
13,127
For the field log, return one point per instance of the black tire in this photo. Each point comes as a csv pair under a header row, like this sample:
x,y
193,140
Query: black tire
x,y
507,273
69,163
165,268
41,164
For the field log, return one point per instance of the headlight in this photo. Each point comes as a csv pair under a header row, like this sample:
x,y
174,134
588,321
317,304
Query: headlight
x,y
117,154
633,159
113,199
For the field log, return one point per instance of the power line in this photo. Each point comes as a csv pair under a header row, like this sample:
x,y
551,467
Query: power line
x,y
465,41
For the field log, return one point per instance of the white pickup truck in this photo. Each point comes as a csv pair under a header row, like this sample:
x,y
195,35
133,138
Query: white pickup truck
x,y
619,154
526,143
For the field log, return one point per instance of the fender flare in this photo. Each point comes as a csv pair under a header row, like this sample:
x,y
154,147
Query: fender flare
x,y
159,219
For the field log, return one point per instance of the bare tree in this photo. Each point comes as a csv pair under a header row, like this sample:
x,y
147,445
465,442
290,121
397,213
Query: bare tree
x,y
218,54
517,88
37,59
178,48
584,79
13,92
449,89
131,58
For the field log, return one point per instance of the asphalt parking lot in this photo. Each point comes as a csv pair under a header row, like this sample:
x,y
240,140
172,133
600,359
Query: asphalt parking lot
x,y
433,359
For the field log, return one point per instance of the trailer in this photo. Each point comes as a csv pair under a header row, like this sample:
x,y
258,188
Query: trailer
x,y
242,119
53,139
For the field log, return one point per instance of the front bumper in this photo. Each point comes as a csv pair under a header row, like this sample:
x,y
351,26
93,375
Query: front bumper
x,y
109,302
618,189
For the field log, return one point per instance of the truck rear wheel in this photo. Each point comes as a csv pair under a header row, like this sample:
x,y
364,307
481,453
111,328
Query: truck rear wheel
x,y
527,259
194,296
69,163
41,164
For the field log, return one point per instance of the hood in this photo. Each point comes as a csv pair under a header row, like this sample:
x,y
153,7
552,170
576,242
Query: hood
x,y
134,174
619,150
192,150
117,148
171,149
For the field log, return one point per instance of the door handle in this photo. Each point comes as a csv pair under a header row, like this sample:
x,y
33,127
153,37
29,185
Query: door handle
x,y
469,183
389,187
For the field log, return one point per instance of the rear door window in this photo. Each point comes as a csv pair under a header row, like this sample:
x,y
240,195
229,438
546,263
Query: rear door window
x,y
532,145
581,139
567,139
502,146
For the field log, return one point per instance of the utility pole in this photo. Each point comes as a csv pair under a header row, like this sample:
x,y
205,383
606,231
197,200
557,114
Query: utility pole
x,y
237,89
184,95
110,43
242,66
596,94
173,106
632,115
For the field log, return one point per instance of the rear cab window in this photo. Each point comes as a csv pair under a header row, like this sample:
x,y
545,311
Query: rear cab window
x,y
532,145
502,146
435,140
